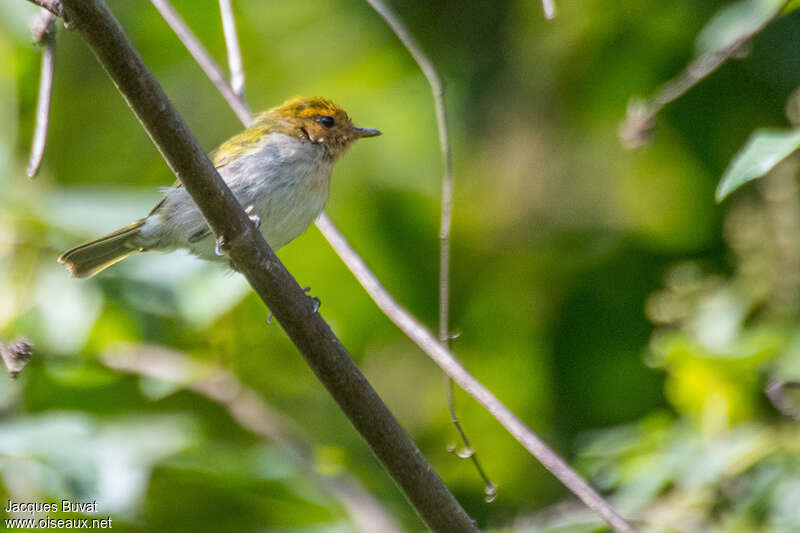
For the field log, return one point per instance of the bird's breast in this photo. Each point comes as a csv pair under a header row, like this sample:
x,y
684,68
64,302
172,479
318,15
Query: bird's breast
x,y
285,180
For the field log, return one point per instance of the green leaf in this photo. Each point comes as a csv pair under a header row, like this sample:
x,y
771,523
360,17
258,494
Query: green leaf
x,y
763,150
791,6
734,22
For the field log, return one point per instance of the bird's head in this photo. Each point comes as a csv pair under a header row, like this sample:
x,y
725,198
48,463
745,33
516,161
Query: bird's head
x,y
319,121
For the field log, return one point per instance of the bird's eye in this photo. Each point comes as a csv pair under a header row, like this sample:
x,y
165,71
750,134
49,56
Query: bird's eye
x,y
327,121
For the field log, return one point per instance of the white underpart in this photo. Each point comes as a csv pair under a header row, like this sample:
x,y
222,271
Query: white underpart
x,y
285,180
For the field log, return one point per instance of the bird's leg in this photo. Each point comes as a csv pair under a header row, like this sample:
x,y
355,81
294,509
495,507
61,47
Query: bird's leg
x,y
255,219
219,246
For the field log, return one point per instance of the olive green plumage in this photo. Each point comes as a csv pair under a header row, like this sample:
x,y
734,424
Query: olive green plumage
x,y
88,259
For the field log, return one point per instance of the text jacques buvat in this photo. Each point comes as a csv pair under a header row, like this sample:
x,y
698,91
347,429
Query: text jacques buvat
x,y
37,509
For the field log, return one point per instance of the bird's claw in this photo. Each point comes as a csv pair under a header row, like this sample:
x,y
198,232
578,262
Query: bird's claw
x,y
255,219
316,302
219,245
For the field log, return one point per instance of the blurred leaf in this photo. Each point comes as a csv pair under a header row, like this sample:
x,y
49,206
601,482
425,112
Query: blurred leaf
x,y
66,310
791,6
73,454
734,22
763,150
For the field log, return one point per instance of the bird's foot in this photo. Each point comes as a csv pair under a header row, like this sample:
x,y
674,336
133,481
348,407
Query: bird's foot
x,y
219,246
255,219
316,302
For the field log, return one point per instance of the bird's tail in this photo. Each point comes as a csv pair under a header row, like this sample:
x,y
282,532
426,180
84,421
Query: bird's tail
x,y
88,259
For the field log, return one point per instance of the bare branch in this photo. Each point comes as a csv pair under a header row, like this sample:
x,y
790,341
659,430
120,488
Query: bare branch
x,y
16,355
446,222
53,6
637,129
549,7
248,409
489,488
232,45
203,59
43,30
442,357
453,368
252,256
437,88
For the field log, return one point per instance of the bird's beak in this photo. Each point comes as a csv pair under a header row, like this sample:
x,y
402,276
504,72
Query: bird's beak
x,y
365,132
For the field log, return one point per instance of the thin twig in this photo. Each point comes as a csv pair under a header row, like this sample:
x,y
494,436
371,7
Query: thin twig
x,y
53,6
232,45
203,59
16,355
637,129
549,7
250,411
489,488
252,256
442,357
453,368
446,222
43,29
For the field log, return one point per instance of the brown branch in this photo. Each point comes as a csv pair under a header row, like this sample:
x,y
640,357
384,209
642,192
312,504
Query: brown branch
x,y
251,412
453,368
442,357
203,59
637,129
16,355
43,30
252,256
232,45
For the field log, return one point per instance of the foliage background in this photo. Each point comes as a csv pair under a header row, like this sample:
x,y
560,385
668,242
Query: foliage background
x,y
566,294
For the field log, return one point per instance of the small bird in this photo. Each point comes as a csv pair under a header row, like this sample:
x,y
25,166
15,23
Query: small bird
x,y
279,168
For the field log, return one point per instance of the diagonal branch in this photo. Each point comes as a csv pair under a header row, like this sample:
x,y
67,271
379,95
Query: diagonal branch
x,y
204,60
445,225
640,119
251,412
453,368
252,256
437,88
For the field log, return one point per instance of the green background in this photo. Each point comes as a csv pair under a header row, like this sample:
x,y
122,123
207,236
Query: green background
x,y
561,243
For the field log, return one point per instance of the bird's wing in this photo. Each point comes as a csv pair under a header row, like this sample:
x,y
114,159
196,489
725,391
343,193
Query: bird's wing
x,y
218,163
238,144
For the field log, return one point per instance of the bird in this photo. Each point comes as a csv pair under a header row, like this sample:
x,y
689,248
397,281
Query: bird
x,y
279,168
